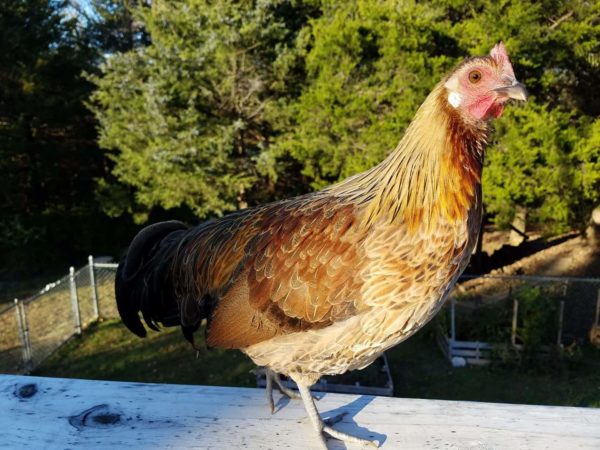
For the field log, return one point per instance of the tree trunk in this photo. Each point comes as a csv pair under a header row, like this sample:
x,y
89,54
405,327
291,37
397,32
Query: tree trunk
x,y
593,230
518,227
37,192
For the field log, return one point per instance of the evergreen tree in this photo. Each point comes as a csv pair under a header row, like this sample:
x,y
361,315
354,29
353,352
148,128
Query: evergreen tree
x,y
187,119
371,64
231,100
112,27
48,154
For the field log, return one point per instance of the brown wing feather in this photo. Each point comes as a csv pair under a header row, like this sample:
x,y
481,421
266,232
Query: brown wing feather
x,y
300,272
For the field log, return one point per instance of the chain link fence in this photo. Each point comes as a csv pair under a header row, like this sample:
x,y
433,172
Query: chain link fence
x,y
105,289
490,316
11,351
34,328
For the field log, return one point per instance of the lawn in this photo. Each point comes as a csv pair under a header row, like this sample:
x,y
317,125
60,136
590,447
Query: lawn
x,y
107,351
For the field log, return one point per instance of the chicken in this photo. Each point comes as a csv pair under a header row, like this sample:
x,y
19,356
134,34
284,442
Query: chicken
x,y
325,282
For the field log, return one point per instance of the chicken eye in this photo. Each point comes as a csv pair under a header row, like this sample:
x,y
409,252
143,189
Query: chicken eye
x,y
475,76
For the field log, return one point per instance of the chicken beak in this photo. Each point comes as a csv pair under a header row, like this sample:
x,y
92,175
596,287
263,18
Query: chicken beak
x,y
516,91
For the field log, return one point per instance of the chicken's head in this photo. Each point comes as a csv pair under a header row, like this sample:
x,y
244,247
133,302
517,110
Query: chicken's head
x,y
479,87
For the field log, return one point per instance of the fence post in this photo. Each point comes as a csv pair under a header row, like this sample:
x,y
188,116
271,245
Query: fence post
x,y
513,334
74,300
561,313
93,287
24,335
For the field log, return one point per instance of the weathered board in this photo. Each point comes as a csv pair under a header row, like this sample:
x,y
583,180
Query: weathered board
x,y
52,413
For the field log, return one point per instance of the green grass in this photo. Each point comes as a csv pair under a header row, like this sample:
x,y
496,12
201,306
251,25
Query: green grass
x,y
108,351
422,372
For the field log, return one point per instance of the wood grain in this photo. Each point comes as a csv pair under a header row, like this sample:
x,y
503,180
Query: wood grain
x,y
47,413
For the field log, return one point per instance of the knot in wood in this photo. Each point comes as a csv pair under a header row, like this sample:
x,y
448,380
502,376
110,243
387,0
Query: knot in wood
x,y
95,417
26,391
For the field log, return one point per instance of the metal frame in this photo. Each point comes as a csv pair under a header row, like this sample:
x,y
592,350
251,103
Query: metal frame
x,y
323,386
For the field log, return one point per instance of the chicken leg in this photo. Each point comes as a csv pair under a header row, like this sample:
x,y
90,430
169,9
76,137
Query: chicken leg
x,y
323,427
274,377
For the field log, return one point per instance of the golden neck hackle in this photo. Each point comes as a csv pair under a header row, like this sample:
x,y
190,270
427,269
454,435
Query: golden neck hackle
x,y
434,173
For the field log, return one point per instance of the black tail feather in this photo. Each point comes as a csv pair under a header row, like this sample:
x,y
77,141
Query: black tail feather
x,y
144,283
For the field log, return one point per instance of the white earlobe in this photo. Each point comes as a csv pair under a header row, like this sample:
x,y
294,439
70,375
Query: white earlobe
x,y
455,99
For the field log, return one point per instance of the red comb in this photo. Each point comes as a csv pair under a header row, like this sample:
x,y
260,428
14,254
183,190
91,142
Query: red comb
x,y
501,57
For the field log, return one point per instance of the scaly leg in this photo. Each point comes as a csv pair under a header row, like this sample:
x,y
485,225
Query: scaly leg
x,y
321,427
274,377
282,388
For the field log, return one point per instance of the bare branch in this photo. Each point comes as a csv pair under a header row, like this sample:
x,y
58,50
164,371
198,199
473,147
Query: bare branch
x,y
561,19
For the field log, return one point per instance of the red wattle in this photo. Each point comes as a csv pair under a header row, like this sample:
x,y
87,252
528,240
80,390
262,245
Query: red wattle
x,y
496,110
485,108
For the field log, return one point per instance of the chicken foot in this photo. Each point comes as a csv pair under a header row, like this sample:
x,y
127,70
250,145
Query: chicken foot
x,y
323,427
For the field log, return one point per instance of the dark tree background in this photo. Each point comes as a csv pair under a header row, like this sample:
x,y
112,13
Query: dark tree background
x,y
49,157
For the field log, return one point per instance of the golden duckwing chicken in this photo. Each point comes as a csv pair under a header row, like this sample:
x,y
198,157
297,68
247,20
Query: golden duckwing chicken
x,y
325,282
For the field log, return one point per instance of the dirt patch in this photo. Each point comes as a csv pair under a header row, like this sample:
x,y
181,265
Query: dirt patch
x,y
574,257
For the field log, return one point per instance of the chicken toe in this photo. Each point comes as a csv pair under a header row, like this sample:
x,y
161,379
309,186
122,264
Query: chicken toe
x,y
322,428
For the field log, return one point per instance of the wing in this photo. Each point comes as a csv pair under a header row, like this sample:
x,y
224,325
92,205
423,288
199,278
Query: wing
x,y
300,271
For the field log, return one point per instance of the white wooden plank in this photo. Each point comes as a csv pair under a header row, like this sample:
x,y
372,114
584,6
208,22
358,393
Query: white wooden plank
x,y
61,415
